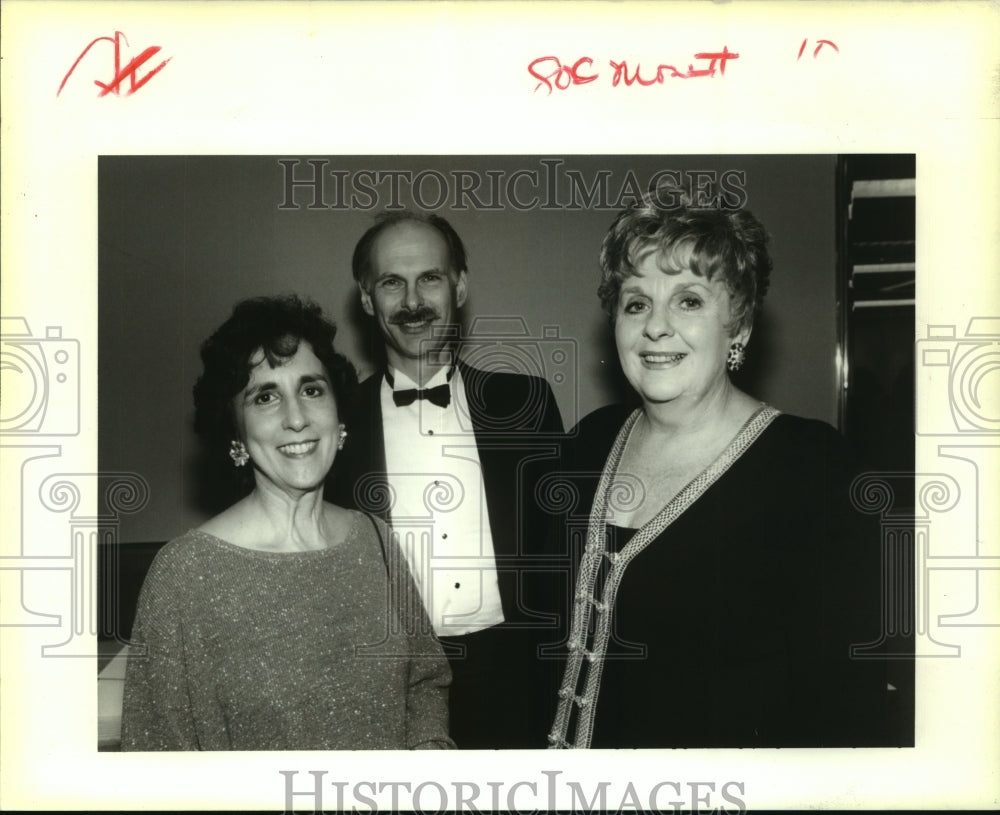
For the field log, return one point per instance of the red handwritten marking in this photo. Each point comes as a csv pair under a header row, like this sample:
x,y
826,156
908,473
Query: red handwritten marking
x,y
621,72
564,76
817,49
551,73
719,57
822,43
130,70
717,61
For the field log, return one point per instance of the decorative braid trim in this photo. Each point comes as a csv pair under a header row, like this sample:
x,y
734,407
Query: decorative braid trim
x,y
595,552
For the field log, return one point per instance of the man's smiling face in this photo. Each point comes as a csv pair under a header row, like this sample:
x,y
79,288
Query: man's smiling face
x,y
414,293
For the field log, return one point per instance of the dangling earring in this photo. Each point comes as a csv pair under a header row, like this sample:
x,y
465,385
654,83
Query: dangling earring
x,y
736,357
238,453
341,437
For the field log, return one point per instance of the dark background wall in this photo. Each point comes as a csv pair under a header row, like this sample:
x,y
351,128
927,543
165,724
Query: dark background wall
x,y
181,239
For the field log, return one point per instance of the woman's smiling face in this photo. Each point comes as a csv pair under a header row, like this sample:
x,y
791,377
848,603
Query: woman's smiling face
x,y
287,417
672,331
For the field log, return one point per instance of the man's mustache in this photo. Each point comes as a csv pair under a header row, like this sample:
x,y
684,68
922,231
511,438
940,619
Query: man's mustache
x,y
421,314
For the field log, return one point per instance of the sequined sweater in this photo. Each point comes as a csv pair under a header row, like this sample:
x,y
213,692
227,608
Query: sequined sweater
x,y
253,650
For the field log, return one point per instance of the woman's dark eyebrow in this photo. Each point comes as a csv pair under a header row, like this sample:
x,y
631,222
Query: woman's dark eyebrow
x,y
253,390
305,379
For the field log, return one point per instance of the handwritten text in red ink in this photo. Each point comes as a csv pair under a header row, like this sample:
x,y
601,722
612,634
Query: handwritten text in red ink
x,y
559,75
669,71
817,49
130,70
553,74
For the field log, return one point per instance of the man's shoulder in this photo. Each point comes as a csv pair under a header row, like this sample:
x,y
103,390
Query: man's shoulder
x,y
371,382
506,401
501,381
368,389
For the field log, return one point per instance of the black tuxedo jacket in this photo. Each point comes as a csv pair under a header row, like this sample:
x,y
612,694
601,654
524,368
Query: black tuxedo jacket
x,y
518,430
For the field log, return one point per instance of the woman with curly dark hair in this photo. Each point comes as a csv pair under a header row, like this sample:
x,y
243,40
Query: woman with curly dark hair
x,y
726,575
284,622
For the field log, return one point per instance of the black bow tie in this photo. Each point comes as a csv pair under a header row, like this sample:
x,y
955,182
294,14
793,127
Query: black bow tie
x,y
439,395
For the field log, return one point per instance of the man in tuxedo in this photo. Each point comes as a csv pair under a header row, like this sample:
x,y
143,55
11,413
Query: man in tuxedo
x,y
451,456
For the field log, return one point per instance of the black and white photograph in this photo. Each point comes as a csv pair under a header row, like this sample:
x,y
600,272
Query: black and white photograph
x,y
422,406
522,287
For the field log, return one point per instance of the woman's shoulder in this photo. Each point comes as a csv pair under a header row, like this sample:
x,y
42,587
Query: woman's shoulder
x,y
369,530
187,546
381,541
365,526
184,553
589,442
605,421
808,444
175,576
800,430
